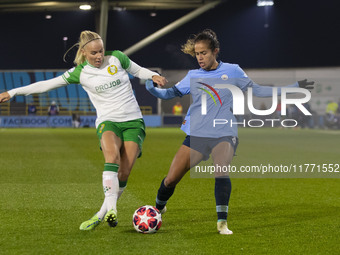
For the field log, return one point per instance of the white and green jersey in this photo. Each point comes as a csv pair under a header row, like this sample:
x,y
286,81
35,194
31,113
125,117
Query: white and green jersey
x,y
109,87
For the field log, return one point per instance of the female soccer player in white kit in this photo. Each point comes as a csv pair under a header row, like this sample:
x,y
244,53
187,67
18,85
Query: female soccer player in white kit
x,y
120,126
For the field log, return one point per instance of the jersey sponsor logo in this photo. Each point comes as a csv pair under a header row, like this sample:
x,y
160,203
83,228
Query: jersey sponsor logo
x,y
112,69
113,84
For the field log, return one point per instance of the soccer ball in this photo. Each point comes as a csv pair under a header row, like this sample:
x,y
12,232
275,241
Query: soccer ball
x,y
147,219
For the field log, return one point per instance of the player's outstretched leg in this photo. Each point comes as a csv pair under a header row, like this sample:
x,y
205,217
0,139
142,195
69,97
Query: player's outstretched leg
x,y
163,195
222,195
108,211
111,187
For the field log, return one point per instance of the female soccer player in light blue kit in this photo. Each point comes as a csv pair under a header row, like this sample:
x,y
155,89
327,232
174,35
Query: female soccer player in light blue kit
x,y
120,126
202,139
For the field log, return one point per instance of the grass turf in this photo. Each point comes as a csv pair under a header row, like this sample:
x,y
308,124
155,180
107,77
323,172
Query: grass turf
x,y
51,182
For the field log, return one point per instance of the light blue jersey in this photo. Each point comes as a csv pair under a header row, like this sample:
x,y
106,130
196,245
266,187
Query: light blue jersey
x,y
219,102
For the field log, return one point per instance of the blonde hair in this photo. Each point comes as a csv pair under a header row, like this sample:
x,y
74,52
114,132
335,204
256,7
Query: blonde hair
x,y
85,37
206,35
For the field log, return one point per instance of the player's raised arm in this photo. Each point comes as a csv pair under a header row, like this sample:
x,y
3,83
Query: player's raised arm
x,y
144,73
34,88
265,91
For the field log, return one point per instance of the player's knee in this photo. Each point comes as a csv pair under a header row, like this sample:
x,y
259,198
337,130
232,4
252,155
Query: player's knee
x,y
222,174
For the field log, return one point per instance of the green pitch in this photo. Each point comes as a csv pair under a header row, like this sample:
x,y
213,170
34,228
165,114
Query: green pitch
x,y
50,182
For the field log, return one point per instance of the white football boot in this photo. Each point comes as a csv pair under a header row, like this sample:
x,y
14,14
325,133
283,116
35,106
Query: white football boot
x,y
222,228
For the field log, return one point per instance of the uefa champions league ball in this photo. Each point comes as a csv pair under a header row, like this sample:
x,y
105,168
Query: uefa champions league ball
x,y
147,219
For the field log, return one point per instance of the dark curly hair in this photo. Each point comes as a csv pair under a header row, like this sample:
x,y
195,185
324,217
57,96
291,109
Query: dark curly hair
x,y
206,35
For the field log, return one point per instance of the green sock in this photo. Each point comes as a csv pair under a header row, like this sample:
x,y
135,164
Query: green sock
x,y
122,186
111,167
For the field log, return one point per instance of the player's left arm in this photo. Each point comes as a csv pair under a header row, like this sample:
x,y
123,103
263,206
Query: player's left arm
x,y
145,74
265,91
135,69
244,82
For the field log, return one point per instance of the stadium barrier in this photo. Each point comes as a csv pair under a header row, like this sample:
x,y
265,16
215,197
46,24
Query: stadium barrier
x,y
29,121
15,114
5,109
67,106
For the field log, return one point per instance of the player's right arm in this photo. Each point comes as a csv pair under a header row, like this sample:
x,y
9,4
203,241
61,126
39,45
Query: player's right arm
x,y
34,88
4,97
162,93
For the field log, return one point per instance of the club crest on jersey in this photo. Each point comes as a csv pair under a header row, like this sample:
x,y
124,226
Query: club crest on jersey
x,y
224,77
112,69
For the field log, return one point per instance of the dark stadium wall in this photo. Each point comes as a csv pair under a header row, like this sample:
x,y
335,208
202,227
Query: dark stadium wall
x,y
29,41
298,34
